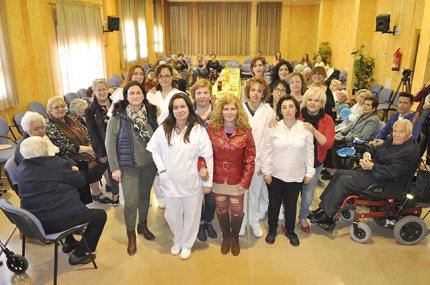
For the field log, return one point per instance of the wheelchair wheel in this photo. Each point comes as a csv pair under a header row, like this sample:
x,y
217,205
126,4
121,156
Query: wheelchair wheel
x,y
347,216
363,235
17,263
409,230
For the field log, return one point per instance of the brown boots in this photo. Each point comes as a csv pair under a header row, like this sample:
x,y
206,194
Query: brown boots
x,y
224,223
230,239
131,247
236,223
142,228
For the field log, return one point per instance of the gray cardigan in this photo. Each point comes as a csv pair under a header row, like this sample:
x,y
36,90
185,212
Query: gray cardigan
x,y
364,128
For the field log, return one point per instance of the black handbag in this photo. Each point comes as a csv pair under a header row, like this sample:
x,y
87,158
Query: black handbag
x,y
422,187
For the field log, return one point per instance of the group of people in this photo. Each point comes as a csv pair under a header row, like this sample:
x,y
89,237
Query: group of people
x,y
236,159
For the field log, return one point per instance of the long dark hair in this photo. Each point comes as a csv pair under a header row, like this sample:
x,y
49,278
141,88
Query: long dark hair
x,y
151,110
279,106
274,76
169,123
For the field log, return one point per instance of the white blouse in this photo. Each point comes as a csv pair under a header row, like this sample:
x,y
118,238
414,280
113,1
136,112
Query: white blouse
x,y
157,99
288,154
180,160
259,123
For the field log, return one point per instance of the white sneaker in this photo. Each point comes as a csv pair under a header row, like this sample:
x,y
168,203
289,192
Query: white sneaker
x,y
262,215
256,230
185,253
242,231
161,204
175,250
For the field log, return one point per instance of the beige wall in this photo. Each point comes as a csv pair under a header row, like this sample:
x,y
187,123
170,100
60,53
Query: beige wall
x,y
344,24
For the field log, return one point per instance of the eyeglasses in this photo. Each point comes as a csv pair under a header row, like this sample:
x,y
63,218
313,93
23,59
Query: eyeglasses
x,y
317,74
59,107
281,91
167,76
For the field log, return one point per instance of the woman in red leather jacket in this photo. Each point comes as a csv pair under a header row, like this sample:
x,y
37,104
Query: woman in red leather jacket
x,y
234,155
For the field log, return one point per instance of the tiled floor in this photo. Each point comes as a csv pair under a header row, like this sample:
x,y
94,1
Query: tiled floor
x,y
321,258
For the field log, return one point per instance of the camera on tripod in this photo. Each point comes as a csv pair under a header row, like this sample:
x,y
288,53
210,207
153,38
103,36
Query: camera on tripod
x,y
406,72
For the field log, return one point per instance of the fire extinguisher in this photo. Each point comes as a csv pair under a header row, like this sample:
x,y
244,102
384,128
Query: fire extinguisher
x,y
396,60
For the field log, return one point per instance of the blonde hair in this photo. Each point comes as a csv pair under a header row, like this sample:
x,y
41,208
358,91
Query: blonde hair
x,y
200,83
337,82
365,91
52,101
314,91
99,81
217,120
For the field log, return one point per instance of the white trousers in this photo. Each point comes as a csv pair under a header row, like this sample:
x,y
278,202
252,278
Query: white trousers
x,y
183,216
264,198
157,189
251,208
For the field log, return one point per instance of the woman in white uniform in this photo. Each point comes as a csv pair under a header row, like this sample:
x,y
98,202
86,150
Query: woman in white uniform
x,y
165,89
259,114
176,147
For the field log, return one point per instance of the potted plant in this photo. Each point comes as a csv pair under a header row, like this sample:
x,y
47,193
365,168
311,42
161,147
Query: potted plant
x,y
363,69
324,50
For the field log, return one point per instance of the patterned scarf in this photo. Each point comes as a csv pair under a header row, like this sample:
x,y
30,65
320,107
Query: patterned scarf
x,y
139,119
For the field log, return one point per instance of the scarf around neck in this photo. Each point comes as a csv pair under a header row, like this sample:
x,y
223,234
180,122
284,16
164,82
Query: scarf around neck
x,y
139,119
312,119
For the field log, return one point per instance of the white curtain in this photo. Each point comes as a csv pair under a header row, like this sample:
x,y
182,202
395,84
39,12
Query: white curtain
x,y
81,42
9,96
133,32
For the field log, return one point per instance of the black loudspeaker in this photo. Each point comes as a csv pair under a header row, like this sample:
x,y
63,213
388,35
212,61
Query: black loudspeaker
x,y
113,23
383,23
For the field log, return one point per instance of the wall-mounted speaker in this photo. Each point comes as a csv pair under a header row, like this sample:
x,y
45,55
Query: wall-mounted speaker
x,y
113,23
383,23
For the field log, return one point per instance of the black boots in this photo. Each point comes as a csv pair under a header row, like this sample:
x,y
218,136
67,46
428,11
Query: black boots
x,y
142,228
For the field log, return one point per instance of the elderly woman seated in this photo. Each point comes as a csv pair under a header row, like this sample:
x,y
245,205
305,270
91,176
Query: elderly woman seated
x,y
51,182
34,126
394,160
71,137
77,110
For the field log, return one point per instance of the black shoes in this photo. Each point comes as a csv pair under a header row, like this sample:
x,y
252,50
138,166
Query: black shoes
x,y
70,247
201,235
74,260
270,238
294,241
211,231
315,213
326,176
104,200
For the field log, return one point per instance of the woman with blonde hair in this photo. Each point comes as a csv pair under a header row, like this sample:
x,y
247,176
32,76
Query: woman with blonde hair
x,y
234,165
322,128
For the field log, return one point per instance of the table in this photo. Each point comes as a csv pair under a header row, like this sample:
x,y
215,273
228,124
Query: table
x,y
233,87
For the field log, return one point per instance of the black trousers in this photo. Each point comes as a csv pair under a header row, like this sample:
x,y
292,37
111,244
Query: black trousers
x,y
341,185
288,193
96,219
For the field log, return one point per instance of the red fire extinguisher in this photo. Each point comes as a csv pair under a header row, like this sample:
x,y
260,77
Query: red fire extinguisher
x,y
396,60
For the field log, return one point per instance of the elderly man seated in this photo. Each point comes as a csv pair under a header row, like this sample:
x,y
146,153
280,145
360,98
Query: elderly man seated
x,y
48,189
394,160
406,100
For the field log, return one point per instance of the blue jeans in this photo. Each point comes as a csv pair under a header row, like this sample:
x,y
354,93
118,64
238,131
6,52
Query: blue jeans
x,y
197,72
208,208
308,194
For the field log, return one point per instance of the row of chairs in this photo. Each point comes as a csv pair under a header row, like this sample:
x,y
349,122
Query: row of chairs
x,y
388,101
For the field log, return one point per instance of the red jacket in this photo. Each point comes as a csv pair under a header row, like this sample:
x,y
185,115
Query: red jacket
x,y
233,157
326,127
